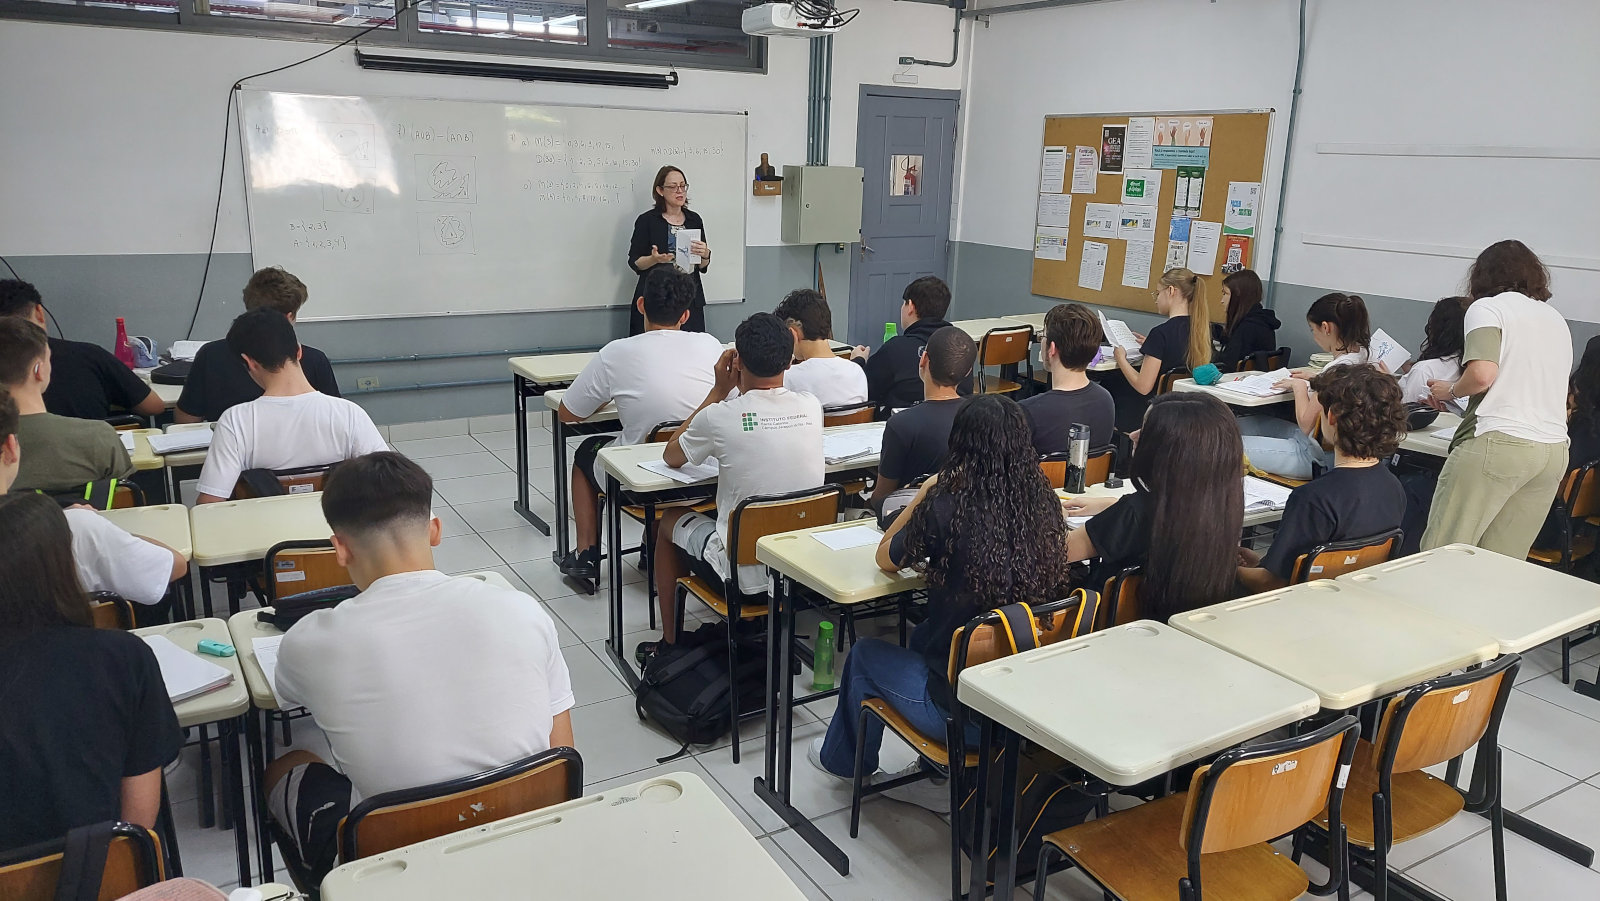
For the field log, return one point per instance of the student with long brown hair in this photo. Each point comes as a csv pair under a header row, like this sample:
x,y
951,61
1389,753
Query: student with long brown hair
x,y
1440,356
1247,327
85,723
1182,342
1183,519
1510,453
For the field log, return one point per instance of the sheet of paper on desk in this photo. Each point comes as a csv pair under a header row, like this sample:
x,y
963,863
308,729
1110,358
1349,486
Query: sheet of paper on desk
x,y
1388,351
688,474
185,350
845,539
1444,434
1258,385
127,441
1260,494
178,442
186,675
841,446
266,650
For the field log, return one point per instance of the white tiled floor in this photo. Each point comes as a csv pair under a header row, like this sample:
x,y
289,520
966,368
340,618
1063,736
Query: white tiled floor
x,y
1552,736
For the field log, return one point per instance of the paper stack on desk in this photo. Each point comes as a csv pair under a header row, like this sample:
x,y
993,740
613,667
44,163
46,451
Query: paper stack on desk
x,y
180,442
1258,385
186,674
838,447
1260,494
1118,333
688,474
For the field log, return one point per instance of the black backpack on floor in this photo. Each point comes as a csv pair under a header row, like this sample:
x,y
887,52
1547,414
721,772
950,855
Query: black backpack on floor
x,y
686,685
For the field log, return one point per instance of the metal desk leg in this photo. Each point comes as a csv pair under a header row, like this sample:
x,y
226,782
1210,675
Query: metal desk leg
x,y
561,484
233,763
1005,875
614,589
205,591
519,390
253,719
980,842
207,800
168,830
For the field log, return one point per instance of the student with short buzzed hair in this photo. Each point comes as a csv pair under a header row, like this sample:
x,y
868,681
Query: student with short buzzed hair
x,y
87,381
1072,340
64,453
817,370
420,678
217,378
916,439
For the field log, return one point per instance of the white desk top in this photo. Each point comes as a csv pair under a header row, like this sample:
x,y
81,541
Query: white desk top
x,y
236,531
1347,644
166,523
607,413
168,393
1521,604
550,369
226,702
1033,319
1233,398
623,462
850,576
667,839
1422,441
1259,517
977,328
1132,702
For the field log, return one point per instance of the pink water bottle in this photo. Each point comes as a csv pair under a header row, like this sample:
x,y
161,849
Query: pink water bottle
x,y
123,349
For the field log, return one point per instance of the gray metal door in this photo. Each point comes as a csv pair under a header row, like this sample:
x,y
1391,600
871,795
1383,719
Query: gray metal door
x,y
905,143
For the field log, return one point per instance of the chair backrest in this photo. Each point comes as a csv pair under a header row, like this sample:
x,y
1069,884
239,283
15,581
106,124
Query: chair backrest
x,y
125,422
133,861
1098,467
1168,379
296,567
1334,559
104,494
1265,360
1004,346
110,611
127,495
1255,793
1439,720
991,635
771,514
849,414
399,818
661,431
1122,598
303,480
1580,491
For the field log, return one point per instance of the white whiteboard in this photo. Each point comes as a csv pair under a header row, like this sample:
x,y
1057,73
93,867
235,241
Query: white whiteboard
x,y
387,206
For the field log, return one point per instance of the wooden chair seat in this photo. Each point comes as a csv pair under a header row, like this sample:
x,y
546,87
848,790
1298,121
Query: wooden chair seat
x,y
1582,546
637,511
711,596
998,386
1137,855
1421,802
932,748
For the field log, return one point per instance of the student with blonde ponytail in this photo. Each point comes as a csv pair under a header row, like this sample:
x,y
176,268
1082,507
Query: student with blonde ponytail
x,y
1174,345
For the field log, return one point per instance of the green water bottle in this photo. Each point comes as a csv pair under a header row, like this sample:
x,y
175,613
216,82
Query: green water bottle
x,y
822,663
890,329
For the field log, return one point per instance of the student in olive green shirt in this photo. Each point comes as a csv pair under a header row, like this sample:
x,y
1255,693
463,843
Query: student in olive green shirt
x,y
63,454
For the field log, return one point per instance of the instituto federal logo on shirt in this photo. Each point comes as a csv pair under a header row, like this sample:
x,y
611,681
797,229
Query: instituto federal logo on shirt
x,y
748,421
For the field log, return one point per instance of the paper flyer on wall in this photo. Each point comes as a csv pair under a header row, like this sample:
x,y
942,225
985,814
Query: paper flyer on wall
x,y
1244,199
1182,141
1092,270
1085,170
1136,264
1112,140
1050,243
1055,210
1102,220
1235,253
1141,137
1136,223
1203,239
1177,244
1052,170
1141,185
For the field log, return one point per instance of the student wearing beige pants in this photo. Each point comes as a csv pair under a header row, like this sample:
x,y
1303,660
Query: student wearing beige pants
x,y
1510,452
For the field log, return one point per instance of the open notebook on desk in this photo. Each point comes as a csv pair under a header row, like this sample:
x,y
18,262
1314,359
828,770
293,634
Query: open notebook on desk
x,y
1118,333
688,473
838,447
187,675
1258,385
1260,494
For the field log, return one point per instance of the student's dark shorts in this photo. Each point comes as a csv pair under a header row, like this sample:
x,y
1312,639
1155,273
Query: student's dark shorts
x,y
306,807
587,459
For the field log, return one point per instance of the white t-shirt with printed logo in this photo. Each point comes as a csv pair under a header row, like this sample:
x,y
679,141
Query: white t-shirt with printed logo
x,y
834,381
654,377
310,429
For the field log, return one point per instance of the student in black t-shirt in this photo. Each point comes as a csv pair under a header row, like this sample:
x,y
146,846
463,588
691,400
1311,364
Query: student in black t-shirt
x,y
1072,339
1182,342
1583,430
892,379
961,531
915,439
86,382
85,723
1183,519
218,378
1364,418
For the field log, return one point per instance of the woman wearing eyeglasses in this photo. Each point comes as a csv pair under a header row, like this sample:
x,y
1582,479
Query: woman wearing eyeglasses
x,y
655,241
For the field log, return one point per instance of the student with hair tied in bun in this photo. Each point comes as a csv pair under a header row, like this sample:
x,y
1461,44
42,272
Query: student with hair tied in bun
x,y
1182,342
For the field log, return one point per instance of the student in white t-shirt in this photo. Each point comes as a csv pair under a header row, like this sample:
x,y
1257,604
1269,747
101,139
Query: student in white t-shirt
x,y
832,380
291,425
1440,356
107,558
768,440
659,375
421,678
1509,454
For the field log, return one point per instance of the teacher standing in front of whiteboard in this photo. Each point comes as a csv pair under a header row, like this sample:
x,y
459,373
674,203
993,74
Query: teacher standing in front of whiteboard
x,y
656,242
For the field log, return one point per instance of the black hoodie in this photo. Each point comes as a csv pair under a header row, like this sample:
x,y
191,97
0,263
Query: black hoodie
x,y
892,378
1256,332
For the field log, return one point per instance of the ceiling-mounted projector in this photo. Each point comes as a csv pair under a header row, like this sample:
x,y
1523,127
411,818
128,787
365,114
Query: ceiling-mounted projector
x,y
784,20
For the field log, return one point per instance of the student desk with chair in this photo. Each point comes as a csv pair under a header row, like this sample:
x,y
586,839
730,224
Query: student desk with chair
x,y
145,459
1424,441
168,524
233,536
679,841
604,420
243,628
1233,398
224,707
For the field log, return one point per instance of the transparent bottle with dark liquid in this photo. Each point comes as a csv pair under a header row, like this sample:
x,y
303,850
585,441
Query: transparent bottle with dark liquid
x,y
1077,458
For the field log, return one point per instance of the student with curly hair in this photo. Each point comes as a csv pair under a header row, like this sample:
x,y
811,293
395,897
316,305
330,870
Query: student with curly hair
x,y
1364,417
1440,357
960,531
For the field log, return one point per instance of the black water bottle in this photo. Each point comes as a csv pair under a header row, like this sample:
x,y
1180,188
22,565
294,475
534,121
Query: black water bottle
x,y
1077,458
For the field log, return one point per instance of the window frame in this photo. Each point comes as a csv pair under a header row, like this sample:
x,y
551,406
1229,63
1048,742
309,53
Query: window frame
x,y
406,33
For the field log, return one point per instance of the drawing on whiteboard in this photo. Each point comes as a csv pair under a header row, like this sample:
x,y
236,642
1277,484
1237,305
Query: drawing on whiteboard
x,y
353,199
439,233
351,142
448,178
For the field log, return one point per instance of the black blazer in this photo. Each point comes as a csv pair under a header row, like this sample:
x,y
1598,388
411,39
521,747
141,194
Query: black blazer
x,y
650,230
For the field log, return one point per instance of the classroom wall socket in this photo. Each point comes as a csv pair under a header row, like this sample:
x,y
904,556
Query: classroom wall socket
x,y
366,383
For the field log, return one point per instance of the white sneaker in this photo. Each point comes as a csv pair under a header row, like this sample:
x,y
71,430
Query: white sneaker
x,y
930,794
814,754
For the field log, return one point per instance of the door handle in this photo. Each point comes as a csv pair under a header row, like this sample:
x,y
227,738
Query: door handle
x,y
866,250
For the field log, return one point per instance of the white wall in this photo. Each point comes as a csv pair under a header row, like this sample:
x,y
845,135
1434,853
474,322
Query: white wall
x,y
1436,72
113,135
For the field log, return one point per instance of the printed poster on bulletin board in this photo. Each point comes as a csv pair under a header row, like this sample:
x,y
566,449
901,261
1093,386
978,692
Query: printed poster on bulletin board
x,y
1182,141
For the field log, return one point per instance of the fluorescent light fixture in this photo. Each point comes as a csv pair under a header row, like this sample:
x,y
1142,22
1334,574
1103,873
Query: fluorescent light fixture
x,y
564,20
652,4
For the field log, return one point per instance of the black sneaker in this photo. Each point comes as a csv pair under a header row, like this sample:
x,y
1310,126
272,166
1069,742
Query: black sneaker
x,y
584,564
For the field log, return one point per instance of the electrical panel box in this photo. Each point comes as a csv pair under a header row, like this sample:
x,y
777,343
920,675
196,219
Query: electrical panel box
x,y
821,204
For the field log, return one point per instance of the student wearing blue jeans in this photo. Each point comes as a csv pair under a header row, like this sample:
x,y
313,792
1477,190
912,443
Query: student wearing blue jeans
x,y
957,531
